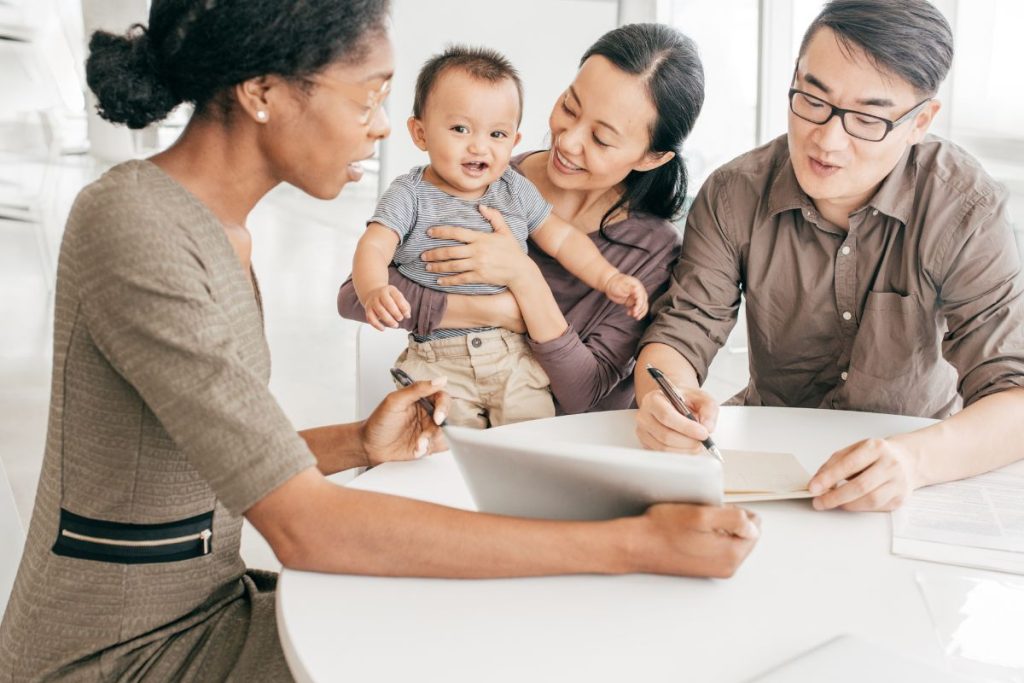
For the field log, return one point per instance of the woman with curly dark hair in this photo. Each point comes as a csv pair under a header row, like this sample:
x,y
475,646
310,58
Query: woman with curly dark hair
x,y
163,433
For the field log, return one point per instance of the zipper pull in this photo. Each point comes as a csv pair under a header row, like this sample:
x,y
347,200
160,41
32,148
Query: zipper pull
x,y
204,535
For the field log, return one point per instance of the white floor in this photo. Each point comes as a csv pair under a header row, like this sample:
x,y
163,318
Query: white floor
x,y
302,252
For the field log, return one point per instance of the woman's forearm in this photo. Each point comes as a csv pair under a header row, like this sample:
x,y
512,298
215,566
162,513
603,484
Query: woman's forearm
x,y
336,447
542,316
314,525
391,536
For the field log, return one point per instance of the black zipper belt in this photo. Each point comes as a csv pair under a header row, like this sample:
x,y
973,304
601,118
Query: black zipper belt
x,y
103,541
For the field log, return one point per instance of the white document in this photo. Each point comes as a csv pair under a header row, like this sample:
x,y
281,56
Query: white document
x,y
976,522
753,476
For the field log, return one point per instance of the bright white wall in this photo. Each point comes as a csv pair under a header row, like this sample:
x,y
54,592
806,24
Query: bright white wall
x,y
544,39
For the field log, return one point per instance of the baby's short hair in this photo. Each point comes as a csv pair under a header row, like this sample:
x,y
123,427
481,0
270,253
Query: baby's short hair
x,y
479,62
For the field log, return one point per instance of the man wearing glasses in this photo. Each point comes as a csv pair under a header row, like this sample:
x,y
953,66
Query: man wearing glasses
x,y
878,265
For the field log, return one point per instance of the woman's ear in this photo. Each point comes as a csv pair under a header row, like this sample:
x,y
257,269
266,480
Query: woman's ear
x,y
653,160
254,98
417,133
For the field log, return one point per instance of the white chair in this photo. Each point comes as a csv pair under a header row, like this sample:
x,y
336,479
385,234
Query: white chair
x,y
12,539
376,352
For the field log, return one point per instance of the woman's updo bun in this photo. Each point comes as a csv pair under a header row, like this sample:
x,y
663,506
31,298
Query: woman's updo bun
x,y
195,51
123,73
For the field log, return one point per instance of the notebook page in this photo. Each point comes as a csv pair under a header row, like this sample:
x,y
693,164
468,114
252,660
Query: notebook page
x,y
757,475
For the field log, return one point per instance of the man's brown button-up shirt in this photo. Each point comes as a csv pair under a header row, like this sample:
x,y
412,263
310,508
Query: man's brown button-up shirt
x,y
917,306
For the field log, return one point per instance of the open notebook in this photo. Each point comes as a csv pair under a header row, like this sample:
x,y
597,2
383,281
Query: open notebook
x,y
754,475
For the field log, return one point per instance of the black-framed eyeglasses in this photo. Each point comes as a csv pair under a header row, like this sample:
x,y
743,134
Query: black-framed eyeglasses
x,y
858,124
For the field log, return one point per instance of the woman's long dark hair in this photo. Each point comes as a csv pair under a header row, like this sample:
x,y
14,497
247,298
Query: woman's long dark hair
x,y
670,66
196,50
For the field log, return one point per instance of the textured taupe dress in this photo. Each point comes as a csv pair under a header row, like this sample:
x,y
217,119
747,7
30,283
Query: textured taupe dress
x,y
162,431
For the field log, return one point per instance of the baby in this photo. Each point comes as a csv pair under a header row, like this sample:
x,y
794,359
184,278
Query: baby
x,y
466,115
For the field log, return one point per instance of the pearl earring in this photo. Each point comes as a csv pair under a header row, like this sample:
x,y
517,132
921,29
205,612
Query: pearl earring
x,y
262,116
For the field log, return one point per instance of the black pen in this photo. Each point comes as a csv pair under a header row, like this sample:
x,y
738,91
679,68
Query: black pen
x,y
403,378
677,402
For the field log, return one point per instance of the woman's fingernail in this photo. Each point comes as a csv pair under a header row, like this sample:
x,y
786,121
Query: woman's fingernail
x,y
753,531
814,488
439,417
421,447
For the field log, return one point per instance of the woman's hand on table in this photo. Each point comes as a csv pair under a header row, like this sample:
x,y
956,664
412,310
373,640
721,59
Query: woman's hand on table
x,y
870,475
660,427
400,429
696,540
493,258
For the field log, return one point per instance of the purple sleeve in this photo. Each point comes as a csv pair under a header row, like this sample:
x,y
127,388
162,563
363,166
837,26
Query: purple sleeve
x,y
598,351
584,372
428,305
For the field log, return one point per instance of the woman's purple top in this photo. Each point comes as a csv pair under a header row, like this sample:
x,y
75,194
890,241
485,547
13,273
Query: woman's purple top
x,y
590,366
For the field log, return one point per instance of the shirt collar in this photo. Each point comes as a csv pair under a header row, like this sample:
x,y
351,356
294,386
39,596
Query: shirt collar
x,y
785,193
895,196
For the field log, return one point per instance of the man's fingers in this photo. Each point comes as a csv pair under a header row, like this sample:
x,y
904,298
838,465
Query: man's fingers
x,y
857,488
665,438
669,417
705,407
883,499
656,438
843,464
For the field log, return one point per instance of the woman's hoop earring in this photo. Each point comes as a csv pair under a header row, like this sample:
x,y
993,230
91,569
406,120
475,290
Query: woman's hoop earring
x,y
262,116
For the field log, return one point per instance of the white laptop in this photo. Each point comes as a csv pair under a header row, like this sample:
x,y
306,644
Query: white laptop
x,y
562,480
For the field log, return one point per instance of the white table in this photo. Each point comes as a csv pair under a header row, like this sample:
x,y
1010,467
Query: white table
x,y
813,575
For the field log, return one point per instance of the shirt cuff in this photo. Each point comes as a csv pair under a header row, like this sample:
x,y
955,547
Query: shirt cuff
x,y
694,353
990,379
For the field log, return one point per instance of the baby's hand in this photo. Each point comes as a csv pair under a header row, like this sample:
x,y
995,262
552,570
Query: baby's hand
x,y
627,290
385,307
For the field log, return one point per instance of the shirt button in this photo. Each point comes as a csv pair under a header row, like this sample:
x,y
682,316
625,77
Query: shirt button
x,y
846,251
844,374
847,315
476,342
875,212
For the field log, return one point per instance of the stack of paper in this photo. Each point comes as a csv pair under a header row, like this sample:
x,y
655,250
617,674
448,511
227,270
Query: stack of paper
x,y
977,522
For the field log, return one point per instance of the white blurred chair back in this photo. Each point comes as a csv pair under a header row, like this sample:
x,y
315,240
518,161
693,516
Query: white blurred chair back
x,y
12,539
375,355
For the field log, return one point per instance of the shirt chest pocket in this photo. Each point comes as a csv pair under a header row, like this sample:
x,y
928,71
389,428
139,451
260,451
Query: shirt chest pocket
x,y
896,336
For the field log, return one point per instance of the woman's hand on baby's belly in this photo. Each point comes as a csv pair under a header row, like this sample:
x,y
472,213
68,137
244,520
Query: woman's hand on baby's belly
x,y
494,258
